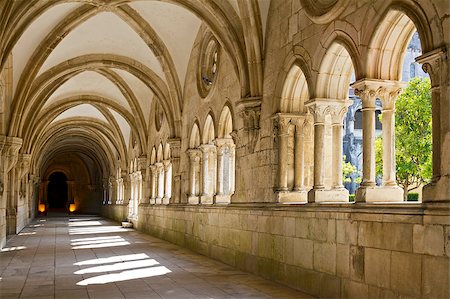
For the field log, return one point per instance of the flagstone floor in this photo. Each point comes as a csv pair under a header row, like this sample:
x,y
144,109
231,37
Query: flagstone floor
x,y
91,257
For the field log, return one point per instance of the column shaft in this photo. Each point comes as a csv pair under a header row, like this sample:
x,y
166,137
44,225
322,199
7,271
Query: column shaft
x,y
299,160
319,155
337,156
388,120
368,146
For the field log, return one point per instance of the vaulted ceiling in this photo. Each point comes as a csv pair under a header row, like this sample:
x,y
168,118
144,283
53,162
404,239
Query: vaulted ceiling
x,y
86,73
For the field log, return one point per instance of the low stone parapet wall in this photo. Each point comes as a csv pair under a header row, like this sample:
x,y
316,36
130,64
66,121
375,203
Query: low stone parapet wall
x,y
351,251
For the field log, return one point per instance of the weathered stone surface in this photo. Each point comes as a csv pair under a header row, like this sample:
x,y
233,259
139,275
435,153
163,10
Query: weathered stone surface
x,y
325,257
377,266
424,235
406,269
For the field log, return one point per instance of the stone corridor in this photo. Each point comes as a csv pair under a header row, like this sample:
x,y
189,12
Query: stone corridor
x,y
91,257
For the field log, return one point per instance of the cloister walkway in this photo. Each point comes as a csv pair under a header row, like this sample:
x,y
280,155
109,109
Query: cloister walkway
x,y
91,257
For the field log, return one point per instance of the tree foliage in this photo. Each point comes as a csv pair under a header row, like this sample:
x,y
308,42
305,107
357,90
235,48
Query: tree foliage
x,y
349,171
413,138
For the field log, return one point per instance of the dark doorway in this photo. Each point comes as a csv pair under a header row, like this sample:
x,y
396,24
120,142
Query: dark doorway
x,y
57,191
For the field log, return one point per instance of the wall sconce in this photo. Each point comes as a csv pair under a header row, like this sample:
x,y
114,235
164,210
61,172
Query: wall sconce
x,y
41,207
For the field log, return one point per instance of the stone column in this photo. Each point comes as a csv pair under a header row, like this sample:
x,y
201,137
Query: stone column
x,y
369,90
160,183
194,179
153,187
319,109
338,113
175,149
208,152
388,97
167,181
299,155
437,64
131,202
224,176
283,135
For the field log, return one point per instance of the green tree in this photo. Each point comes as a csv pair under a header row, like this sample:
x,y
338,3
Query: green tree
x,y
349,170
413,142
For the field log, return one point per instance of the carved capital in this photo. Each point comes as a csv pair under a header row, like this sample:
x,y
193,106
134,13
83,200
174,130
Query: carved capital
x,y
207,148
175,147
24,163
250,111
338,112
282,122
142,163
10,152
432,64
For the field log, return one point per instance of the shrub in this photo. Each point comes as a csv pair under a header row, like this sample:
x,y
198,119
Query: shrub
x,y
413,196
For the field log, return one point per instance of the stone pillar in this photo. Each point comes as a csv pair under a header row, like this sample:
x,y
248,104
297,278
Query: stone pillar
x,y
153,178
336,109
175,149
388,96
369,90
160,183
131,202
143,181
167,181
437,64
319,111
194,178
208,175
224,170
283,136
298,194
338,113
299,155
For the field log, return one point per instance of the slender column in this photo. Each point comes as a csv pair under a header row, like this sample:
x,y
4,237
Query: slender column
x,y
388,121
194,178
208,175
220,176
299,155
153,175
232,168
337,117
167,181
283,135
160,182
319,111
368,97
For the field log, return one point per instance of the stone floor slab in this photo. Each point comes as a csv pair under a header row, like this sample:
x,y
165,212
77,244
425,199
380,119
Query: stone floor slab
x,y
91,257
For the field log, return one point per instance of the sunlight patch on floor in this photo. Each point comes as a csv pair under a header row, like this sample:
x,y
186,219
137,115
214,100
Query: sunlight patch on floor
x,y
14,248
113,259
84,223
97,230
119,266
125,275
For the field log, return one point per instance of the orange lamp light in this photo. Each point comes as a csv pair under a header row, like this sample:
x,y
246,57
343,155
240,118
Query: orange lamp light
x,y
72,208
41,207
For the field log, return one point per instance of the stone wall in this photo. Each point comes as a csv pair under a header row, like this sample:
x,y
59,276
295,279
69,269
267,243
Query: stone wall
x,y
353,251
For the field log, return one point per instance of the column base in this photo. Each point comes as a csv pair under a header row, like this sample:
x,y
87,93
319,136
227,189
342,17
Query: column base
x,y
193,200
152,201
437,191
328,195
158,201
165,200
206,199
379,194
300,196
222,199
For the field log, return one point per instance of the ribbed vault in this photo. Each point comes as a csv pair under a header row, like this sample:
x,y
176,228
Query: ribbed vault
x,y
87,74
